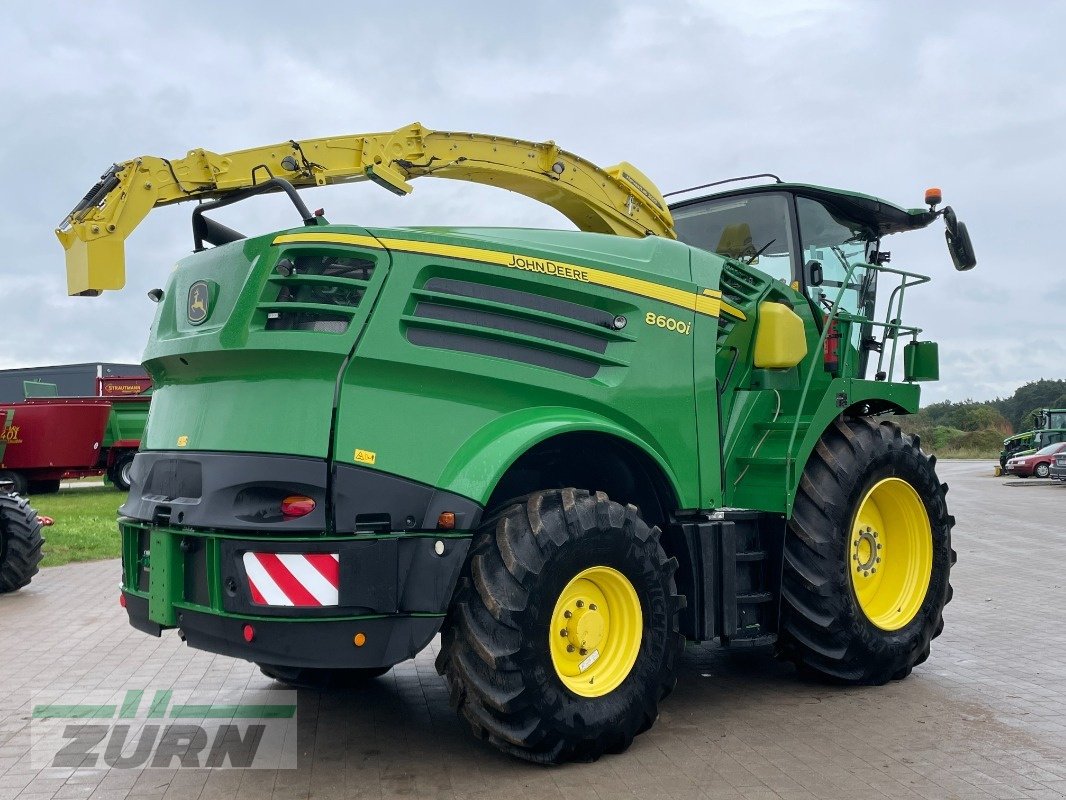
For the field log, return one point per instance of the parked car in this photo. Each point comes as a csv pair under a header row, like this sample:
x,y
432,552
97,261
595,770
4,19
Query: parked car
x,y
1058,469
1038,463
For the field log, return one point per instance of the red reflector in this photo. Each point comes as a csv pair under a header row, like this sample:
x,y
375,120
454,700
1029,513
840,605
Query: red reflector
x,y
122,600
297,506
249,633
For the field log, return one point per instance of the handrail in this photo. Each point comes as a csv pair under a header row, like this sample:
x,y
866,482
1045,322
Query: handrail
x,y
789,457
897,327
893,324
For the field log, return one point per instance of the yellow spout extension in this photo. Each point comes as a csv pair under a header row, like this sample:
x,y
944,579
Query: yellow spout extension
x,y
619,200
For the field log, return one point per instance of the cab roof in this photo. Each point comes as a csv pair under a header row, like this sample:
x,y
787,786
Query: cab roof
x,y
872,212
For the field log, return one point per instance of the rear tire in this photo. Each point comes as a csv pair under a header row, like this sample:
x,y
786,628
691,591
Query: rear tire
x,y
119,473
500,653
43,487
313,678
20,484
1042,470
20,542
825,627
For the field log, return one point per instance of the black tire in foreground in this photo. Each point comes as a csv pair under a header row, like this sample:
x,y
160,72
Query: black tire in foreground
x,y
825,628
20,542
499,651
119,473
312,678
1042,470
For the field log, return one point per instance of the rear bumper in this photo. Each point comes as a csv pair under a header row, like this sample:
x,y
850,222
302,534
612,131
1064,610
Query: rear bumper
x,y
320,643
394,589
1058,473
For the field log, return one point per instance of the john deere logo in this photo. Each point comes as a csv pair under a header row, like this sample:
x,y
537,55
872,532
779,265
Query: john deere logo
x,y
198,302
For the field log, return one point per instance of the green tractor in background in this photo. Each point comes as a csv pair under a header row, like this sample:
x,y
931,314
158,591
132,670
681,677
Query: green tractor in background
x,y
568,452
1049,427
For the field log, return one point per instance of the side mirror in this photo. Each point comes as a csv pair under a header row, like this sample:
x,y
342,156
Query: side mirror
x,y
813,273
959,245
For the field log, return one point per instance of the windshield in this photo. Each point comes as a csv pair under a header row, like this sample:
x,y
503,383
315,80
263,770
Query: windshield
x,y
1051,449
755,230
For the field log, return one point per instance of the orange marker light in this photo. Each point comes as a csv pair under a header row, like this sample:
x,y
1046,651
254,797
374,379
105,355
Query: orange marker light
x,y
446,521
933,196
297,505
359,639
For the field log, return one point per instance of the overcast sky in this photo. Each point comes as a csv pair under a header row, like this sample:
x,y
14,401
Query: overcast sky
x,y
883,98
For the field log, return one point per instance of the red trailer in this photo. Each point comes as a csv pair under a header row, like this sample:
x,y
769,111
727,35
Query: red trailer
x,y
45,439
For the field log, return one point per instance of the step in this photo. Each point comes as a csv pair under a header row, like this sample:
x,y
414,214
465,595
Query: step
x,y
758,640
763,461
752,555
754,597
783,425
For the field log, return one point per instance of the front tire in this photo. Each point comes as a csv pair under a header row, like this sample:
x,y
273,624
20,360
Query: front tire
x,y
563,635
20,542
869,500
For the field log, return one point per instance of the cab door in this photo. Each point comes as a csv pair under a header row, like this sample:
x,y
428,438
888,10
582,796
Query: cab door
x,y
757,230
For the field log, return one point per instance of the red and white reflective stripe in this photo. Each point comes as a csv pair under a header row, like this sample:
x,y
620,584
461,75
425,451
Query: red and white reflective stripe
x,y
293,579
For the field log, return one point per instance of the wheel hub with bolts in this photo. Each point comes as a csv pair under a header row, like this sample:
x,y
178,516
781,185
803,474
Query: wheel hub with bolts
x,y
596,627
890,553
866,556
585,626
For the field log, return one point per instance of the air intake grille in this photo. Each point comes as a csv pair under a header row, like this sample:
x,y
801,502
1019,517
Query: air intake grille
x,y
472,317
740,289
321,292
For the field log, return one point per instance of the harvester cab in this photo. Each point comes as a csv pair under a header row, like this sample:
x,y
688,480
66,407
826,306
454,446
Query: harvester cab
x,y
568,452
826,244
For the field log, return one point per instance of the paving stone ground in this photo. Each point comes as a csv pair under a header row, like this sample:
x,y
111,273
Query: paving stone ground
x,y
985,717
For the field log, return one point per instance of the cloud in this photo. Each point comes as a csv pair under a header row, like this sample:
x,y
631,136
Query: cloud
x,y
881,98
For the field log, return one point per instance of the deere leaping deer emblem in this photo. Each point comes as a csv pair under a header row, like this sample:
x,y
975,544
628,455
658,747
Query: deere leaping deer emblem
x,y
198,302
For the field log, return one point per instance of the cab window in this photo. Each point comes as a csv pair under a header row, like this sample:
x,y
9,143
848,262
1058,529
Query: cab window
x,y
841,249
835,244
755,230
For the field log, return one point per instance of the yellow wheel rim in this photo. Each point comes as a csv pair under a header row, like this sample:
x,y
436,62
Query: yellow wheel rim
x,y
596,629
890,554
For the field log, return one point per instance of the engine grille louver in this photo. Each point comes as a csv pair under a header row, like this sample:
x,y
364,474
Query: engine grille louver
x,y
740,289
473,317
321,292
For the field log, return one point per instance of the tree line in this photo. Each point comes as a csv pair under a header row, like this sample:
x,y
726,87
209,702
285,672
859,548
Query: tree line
x,y
977,428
